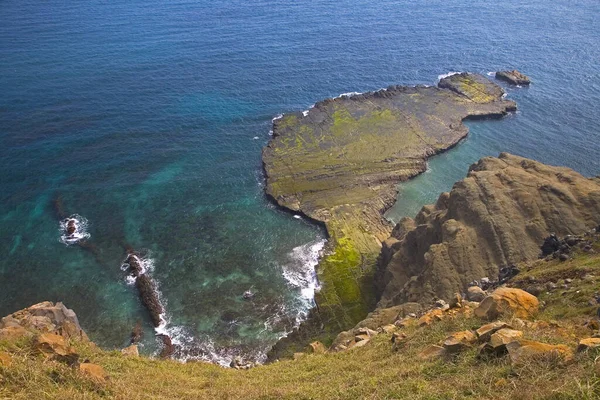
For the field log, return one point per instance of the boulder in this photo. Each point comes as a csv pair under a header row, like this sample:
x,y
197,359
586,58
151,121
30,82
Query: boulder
x,y
456,301
5,359
522,350
459,341
504,300
316,348
131,351
486,331
588,343
50,344
433,352
504,336
514,77
475,293
93,371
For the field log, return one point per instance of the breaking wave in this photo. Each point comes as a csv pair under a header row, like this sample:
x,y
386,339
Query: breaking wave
x,y
300,274
73,229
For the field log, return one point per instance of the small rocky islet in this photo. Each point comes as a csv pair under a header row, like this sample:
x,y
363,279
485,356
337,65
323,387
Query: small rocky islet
x,y
513,77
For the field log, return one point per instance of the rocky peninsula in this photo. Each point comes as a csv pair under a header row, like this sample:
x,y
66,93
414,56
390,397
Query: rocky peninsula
x,y
339,163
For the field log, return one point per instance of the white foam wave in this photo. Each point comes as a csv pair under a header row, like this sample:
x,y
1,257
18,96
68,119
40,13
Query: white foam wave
x,y
300,273
491,73
279,116
146,264
305,113
81,225
440,77
348,94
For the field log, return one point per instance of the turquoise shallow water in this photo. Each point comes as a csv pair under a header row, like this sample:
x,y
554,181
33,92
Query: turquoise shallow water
x,y
148,118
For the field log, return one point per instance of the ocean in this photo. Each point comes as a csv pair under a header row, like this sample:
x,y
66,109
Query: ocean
x,y
146,120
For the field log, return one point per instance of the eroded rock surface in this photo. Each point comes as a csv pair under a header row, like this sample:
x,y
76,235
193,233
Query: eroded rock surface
x,y
498,216
45,317
340,162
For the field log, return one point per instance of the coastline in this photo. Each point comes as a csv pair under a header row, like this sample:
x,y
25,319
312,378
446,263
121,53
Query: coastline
x,y
355,223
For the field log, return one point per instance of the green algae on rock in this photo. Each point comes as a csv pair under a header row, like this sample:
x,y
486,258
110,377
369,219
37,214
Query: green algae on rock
x,y
340,162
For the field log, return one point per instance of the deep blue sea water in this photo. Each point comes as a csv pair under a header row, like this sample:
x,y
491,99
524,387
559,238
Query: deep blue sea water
x,y
147,118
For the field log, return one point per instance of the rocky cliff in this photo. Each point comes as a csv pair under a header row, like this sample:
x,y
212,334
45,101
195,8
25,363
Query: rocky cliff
x,y
497,216
339,163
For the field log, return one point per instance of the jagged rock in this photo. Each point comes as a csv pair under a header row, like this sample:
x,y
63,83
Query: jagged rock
x,y
168,348
5,359
433,352
522,350
93,371
148,294
441,304
588,343
359,338
365,331
506,273
398,337
14,332
137,333
44,317
504,336
459,341
316,348
486,331
49,344
508,300
131,351
456,301
475,293
430,317
499,215
380,317
515,77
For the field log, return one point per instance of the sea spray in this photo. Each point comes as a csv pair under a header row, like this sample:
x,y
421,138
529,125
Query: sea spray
x,y
300,274
73,229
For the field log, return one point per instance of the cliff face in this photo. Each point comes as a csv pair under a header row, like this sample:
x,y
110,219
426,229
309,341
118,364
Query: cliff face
x,y
499,215
339,163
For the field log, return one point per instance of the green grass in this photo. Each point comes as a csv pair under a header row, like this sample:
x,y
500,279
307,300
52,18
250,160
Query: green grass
x,y
374,371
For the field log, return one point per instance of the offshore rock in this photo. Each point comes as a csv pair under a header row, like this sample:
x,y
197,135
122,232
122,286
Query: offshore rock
x,y
499,215
339,164
514,77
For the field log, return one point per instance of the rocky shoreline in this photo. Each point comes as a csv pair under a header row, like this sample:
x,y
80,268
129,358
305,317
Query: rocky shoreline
x,y
339,164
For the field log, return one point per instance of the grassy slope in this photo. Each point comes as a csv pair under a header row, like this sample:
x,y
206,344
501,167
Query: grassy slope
x,y
372,372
